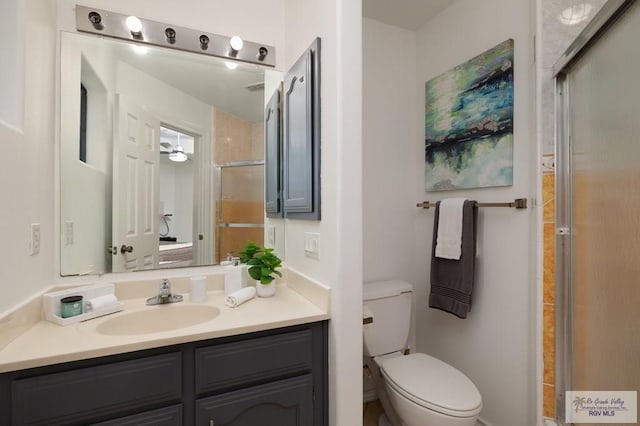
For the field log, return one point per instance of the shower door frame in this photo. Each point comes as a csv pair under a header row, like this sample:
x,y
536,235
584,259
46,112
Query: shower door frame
x,y
604,19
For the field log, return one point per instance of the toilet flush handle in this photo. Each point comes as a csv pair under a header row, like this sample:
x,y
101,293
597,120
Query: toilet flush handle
x,y
367,316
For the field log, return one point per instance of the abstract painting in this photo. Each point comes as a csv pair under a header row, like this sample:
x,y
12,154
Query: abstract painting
x,y
469,123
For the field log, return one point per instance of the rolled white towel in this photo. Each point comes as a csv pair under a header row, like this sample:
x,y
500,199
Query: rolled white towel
x,y
237,298
100,302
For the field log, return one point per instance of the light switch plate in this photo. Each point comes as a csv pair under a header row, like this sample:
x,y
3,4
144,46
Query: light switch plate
x,y
271,235
312,245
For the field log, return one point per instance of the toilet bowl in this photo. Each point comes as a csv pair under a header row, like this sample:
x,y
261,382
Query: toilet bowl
x,y
426,391
421,390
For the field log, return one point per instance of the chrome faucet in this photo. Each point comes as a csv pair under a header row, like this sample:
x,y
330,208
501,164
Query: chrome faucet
x,y
164,295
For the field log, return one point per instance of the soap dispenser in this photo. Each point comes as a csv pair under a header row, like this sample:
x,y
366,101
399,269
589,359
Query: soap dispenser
x,y
235,276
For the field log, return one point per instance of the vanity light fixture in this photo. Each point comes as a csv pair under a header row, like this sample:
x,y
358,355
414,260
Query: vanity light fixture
x,y
135,25
128,27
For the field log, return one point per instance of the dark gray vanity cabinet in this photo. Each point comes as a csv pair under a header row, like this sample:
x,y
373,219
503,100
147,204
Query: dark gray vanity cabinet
x,y
273,157
302,137
274,377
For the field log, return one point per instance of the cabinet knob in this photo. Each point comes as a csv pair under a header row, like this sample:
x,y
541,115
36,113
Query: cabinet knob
x,y
112,250
126,249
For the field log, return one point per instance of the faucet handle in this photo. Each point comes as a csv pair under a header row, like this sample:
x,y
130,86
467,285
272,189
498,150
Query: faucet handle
x,y
165,286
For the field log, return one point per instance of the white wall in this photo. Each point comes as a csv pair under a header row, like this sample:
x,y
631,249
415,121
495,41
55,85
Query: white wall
x,y
389,139
338,23
85,195
495,345
12,62
27,174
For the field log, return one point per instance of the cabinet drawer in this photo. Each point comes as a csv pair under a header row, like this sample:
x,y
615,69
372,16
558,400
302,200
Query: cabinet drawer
x,y
286,402
168,416
78,396
239,363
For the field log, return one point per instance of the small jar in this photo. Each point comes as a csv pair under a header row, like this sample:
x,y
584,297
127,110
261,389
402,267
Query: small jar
x,y
70,306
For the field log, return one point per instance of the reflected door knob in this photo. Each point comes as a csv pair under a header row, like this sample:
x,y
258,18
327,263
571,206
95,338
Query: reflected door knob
x,y
126,249
112,250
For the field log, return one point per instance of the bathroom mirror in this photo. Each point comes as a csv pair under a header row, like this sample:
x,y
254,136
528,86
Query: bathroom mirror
x,y
161,156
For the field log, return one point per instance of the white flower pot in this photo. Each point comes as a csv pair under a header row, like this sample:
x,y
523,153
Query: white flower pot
x,y
266,290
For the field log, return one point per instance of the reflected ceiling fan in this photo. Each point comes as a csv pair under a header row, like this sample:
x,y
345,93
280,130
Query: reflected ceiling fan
x,y
175,152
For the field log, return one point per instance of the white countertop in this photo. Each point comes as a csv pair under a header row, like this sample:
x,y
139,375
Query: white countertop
x,y
47,343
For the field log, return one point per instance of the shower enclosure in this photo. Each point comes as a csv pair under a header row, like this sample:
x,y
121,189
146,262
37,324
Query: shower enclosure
x,y
598,206
239,181
240,206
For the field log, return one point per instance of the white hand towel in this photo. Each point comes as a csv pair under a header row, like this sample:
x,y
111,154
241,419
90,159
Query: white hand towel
x,y
100,302
237,298
449,241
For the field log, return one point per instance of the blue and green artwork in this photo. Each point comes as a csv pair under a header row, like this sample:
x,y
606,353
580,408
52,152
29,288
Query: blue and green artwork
x,y
469,123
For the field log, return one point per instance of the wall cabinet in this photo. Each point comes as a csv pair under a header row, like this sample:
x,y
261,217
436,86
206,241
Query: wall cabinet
x,y
301,198
271,377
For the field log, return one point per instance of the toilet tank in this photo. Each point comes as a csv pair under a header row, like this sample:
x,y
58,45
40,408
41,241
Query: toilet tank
x,y
389,302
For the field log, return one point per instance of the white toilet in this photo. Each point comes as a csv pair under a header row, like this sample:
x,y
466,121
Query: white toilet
x,y
422,390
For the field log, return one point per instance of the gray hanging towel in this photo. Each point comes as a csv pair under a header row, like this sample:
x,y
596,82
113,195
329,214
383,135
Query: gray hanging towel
x,y
452,280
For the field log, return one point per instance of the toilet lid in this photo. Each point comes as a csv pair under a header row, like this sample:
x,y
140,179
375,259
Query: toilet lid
x,y
434,384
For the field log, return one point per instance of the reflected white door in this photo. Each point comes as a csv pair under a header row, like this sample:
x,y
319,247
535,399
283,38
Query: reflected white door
x,y
135,188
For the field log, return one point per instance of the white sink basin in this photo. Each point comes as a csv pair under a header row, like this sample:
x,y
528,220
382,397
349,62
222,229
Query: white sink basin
x,y
155,319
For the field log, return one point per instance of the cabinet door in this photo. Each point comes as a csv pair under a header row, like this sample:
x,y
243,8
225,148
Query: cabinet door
x,y
284,403
273,153
302,137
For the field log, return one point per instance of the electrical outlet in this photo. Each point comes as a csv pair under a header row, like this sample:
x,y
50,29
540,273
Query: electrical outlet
x,y
34,240
312,245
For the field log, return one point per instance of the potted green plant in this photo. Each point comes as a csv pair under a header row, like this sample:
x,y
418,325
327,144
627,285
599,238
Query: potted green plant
x,y
263,267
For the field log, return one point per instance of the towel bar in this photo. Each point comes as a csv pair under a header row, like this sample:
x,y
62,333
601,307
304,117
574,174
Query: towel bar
x,y
518,203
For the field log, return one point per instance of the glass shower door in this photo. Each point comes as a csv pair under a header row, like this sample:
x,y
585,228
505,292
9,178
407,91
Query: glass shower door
x,y
599,204
240,206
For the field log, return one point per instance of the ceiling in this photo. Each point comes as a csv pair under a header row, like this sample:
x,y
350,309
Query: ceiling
x,y
408,14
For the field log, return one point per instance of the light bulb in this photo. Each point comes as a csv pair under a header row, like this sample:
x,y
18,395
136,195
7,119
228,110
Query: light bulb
x,y
134,24
236,43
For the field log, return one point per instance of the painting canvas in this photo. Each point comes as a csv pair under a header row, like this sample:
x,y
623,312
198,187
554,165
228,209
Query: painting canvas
x,y
469,123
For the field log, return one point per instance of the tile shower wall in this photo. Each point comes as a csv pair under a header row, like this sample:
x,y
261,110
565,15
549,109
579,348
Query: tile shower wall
x,y
559,24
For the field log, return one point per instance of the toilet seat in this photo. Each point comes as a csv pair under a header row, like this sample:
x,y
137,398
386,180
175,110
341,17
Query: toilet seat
x,y
432,384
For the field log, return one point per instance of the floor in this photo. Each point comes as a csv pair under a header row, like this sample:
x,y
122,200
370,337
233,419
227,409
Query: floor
x,y
372,411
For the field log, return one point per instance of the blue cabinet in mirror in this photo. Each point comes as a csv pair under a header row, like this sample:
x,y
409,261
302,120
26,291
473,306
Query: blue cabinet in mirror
x,y
273,157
